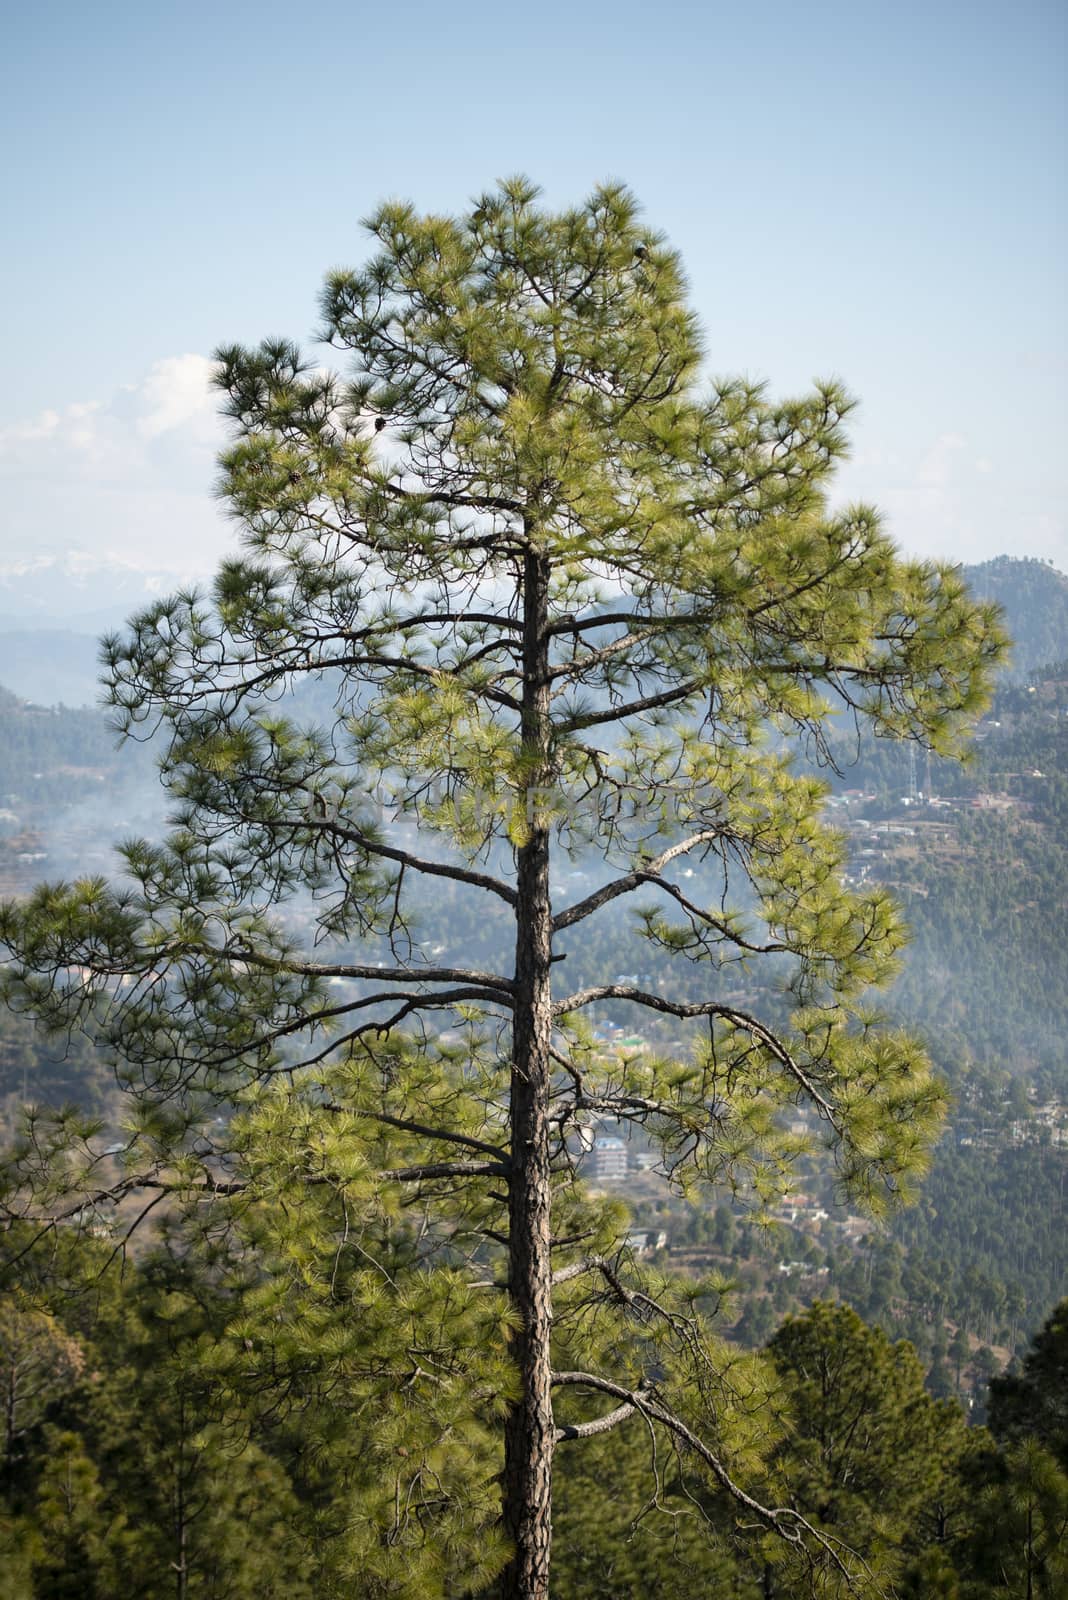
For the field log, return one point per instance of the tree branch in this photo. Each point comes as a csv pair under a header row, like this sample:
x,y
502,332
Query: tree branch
x,y
438,869
446,1169
649,702
407,1126
318,969
632,880
588,1430
610,619
704,1008
784,1521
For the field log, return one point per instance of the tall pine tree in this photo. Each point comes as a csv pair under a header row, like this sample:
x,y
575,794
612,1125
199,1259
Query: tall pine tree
x,y
552,596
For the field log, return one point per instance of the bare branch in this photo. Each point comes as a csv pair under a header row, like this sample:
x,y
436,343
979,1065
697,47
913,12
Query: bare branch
x,y
462,502
320,969
704,1008
632,880
631,708
446,1169
437,869
427,619
577,1269
784,1521
627,619
588,1430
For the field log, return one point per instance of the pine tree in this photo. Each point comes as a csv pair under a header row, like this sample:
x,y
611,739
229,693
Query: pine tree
x,y
1034,1402
867,1450
538,593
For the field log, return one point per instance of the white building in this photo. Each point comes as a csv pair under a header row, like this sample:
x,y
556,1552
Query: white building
x,y
608,1160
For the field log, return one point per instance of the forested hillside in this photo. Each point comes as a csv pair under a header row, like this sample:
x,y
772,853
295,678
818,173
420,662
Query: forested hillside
x,y
1034,597
978,856
68,791
217,1362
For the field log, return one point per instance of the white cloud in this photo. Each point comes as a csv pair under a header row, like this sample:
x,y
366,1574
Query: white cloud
x,y
946,500
178,394
124,478
40,428
127,478
174,400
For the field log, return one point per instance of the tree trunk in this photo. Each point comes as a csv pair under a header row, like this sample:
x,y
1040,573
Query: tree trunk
x,y
180,1566
528,1449
10,1410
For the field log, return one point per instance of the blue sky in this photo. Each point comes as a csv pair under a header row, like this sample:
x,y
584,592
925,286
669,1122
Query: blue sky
x,y
876,191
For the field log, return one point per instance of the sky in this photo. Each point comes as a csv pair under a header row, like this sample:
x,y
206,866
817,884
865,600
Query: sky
x,y
873,191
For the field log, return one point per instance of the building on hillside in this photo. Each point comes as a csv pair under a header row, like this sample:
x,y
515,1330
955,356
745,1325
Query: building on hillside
x,y
645,1242
608,1160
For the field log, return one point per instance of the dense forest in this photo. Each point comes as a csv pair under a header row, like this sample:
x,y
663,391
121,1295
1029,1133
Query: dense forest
x,y
156,1443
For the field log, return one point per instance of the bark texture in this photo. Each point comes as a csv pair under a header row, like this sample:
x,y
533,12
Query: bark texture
x,y
529,1434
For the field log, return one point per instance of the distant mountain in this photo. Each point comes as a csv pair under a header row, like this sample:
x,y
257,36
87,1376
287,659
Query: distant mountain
x,y
53,609
1034,596
71,590
68,792
50,667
